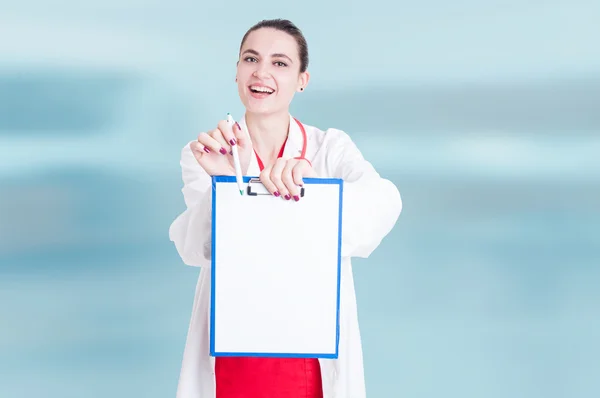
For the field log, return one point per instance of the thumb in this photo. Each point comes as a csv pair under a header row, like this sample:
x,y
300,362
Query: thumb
x,y
240,136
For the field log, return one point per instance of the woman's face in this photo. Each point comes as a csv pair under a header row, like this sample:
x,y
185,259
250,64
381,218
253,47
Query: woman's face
x,y
268,71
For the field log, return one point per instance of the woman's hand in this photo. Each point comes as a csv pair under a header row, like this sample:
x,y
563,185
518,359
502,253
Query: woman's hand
x,y
284,178
212,149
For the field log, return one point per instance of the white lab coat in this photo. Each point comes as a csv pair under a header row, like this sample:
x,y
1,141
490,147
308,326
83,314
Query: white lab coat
x,y
371,207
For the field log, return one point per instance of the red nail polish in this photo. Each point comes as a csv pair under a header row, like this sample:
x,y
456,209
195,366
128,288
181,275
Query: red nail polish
x,y
296,198
232,141
276,194
223,151
238,125
287,197
206,150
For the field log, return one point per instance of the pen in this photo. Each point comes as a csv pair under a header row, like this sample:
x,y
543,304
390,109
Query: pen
x,y
236,159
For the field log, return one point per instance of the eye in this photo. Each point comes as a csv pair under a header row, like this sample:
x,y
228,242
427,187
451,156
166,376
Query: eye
x,y
279,63
250,59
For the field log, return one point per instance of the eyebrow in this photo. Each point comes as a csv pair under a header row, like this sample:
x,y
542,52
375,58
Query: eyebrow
x,y
276,55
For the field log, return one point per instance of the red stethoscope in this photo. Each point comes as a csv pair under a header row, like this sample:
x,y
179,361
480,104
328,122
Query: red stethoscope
x,y
302,153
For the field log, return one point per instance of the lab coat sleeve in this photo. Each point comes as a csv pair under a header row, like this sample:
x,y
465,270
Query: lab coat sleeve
x,y
191,230
371,204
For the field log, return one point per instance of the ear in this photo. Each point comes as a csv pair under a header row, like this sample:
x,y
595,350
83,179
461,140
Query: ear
x,y
303,79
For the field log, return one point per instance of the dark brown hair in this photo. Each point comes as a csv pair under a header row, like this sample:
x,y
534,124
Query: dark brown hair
x,y
288,27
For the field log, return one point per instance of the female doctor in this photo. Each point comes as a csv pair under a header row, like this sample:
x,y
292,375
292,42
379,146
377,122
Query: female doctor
x,y
271,69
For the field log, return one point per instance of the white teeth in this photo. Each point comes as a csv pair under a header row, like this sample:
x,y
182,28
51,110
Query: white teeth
x,y
261,89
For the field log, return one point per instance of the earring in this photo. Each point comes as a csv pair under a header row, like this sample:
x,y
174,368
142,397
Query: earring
x,y
301,88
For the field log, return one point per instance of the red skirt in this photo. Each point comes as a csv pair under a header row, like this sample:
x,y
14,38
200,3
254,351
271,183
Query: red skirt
x,y
252,377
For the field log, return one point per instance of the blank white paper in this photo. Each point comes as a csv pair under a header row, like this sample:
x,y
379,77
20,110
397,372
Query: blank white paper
x,y
276,271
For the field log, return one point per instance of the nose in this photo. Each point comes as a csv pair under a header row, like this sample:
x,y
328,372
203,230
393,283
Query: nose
x,y
262,70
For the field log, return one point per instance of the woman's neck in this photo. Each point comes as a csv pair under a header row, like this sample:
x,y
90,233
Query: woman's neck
x,y
268,133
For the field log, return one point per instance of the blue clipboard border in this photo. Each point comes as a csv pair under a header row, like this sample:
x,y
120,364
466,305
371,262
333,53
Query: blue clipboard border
x,y
213,353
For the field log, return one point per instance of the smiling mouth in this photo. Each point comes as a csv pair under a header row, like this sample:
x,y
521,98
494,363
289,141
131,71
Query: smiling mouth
x,y
261,90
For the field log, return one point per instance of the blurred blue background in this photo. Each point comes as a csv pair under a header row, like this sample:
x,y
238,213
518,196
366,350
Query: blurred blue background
x,y
486,114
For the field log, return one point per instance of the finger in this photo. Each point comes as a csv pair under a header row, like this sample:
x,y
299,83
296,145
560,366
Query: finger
x,y
288,180
265,179
240,135
275,177
217,135
227,132
298,172
210,144
198,150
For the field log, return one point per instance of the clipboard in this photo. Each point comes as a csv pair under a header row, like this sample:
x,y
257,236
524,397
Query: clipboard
x,y
276,269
